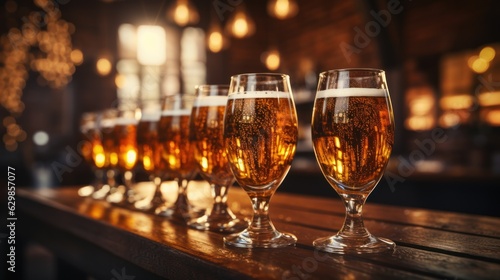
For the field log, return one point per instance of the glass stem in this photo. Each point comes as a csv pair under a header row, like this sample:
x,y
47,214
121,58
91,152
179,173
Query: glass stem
x,y
110,175
182,203
261,224
353,223
158,195
127,179
219,193
128,195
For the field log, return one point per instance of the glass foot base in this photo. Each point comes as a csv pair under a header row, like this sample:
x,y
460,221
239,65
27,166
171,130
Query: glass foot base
x,y
224,225
339,244
147,205
176,214
101,193
86,191
247,239
123,198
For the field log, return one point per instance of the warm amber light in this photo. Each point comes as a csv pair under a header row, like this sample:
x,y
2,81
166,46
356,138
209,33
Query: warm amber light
x,y
487,53
449,119
76,56
183,12
113,158
282,9
215,42
489,98
471,60
103,66
147,162
130,158
493,117
120,81
151,45
241,25
99,157
420,123
480,65
422,105
456,102
272,60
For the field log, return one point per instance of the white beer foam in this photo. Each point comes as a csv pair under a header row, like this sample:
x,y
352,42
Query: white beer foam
x,y
107,123
259,94
174,113
352,92
126,121
150,117
88,126
211,100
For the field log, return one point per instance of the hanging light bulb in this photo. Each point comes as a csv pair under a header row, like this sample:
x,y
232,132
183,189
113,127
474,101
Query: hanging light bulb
x,y
282,9
103,66
183,13
240,25
271,59
216,40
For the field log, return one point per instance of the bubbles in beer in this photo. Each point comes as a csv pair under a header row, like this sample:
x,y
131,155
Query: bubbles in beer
x,y
261,136
353,135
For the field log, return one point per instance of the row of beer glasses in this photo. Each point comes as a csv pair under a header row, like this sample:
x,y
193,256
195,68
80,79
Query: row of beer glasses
x,y
247,132
154,134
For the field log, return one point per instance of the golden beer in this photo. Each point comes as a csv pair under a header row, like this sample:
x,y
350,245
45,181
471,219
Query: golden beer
x,y
147,144
91,148
176,150
125,134
88,137
353,137
207,137
109,144
260,137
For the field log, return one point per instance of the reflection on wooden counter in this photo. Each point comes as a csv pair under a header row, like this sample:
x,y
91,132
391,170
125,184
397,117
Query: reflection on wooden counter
x,y
99,239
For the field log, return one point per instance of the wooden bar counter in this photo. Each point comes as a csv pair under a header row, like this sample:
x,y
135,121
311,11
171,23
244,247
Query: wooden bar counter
x,y
107,241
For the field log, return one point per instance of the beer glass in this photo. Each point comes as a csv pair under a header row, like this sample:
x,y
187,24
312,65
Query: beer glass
x,y
91,150
149,152
260,134
125,132
177,152
353,134
206,134
110,160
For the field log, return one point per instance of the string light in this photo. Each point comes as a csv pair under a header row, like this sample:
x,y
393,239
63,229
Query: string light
x,y
240,25
481,63
216,40
183,13
282,9
50,37
271,59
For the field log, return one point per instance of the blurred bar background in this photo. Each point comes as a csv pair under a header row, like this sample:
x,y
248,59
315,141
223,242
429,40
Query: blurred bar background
x,y
61,58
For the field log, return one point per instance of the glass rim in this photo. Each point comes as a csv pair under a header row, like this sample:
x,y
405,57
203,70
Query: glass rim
x,y
283,75
212,85
361,69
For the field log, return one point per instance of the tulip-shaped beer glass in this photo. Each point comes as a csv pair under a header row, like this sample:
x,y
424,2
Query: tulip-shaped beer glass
x,y
92,152
353,134
177,153
125,132
149,153
260,132
206,134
